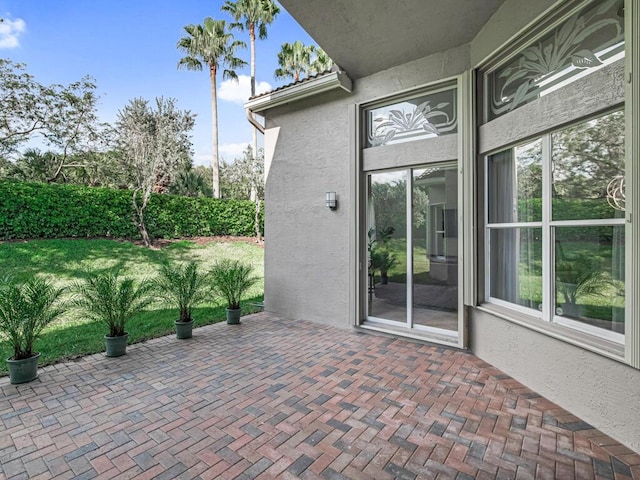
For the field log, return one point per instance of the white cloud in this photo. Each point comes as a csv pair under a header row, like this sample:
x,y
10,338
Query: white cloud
x,y
240,91
202,159
10,30
229,151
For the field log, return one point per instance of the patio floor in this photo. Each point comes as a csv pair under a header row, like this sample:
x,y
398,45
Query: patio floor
x,y
272,398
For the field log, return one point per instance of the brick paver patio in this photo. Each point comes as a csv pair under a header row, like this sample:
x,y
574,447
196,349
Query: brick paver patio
x,y
281,399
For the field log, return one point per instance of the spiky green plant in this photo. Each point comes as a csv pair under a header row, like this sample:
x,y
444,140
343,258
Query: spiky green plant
x,y
109,298
25,310
231,279
581,276
182,286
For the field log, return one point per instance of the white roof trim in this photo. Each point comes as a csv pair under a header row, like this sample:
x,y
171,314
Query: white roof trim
x,y
298,91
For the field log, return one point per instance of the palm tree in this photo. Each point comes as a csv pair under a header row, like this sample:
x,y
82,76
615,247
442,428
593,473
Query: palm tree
x,y
212,44
254,13
320,61
296,60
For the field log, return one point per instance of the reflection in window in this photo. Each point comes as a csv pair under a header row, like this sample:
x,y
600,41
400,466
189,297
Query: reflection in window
x,y
427,116
515,184
387,245
516,266
588,40
585,196
588,169
589,273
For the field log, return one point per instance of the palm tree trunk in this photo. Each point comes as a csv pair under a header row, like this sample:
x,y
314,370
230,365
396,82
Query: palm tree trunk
x,y
252,40
254,133
215,163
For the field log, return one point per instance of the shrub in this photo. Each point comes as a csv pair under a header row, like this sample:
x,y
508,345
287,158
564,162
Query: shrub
x,y
37,210
111,299
231,279
25,310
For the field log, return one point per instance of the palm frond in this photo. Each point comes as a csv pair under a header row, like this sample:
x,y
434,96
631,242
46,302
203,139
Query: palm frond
x,y
25,310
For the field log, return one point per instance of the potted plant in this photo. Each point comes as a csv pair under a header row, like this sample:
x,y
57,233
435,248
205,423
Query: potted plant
x,y
25,310
577,277
383,260
231,279
183,287
109,298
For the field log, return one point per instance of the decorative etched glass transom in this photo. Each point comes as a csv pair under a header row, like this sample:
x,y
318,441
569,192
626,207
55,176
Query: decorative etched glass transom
x,y
585,42
421,117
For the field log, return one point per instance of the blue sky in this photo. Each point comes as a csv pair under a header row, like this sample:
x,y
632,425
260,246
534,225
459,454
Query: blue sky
x,y
129,47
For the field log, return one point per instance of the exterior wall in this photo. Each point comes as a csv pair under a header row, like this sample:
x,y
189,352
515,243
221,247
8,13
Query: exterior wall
x,y
308,247
306,244
603,392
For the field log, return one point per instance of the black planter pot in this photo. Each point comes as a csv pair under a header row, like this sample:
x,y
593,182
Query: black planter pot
x,y
116,346
184,330
233,316
23,371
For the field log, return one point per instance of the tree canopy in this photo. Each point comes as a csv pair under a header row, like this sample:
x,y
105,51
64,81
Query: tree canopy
x,y
156,142
64,117
297,60
212,45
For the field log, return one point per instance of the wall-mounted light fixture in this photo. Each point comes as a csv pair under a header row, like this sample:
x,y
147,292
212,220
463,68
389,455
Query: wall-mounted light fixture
x,y
332,201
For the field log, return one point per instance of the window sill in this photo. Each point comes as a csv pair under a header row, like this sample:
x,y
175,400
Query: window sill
x,y
595,344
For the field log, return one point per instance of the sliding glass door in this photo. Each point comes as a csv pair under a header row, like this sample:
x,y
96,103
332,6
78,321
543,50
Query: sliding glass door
x,y
412,249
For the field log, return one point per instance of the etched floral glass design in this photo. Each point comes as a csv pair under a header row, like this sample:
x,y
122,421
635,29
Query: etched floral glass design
x,y
588,40
416,118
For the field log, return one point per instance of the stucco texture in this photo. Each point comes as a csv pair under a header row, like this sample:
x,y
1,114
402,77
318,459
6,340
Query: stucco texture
x,y
306,255
602,391
308,246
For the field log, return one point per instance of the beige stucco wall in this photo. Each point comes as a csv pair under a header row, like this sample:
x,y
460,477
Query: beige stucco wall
x,y
308,247
306,244
603,392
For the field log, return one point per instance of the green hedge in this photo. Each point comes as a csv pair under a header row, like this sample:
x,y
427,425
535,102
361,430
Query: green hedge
x,y
37,210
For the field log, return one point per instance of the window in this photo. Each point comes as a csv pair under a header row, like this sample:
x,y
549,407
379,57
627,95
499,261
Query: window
x,y
588,40
425,116
555,226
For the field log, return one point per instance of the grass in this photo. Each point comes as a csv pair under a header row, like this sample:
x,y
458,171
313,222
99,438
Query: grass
x,y
66,261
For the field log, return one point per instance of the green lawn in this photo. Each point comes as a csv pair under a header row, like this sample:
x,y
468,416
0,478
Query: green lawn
x,y
66,261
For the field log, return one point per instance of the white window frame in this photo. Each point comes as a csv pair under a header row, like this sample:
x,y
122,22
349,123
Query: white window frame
x,y
629,351
547,224
408,156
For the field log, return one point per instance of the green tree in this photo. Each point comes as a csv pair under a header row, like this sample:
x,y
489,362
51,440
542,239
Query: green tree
x,y
244,179
63,116
32,166
320,61
211,45
156,143
298,60
192,182
252,15
587,156
243,175
294,60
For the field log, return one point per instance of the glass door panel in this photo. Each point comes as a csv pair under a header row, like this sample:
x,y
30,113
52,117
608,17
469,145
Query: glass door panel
x,y
387,246
435,247
412,249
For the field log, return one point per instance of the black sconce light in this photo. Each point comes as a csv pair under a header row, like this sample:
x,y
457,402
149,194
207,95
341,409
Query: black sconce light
x,y
331,200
